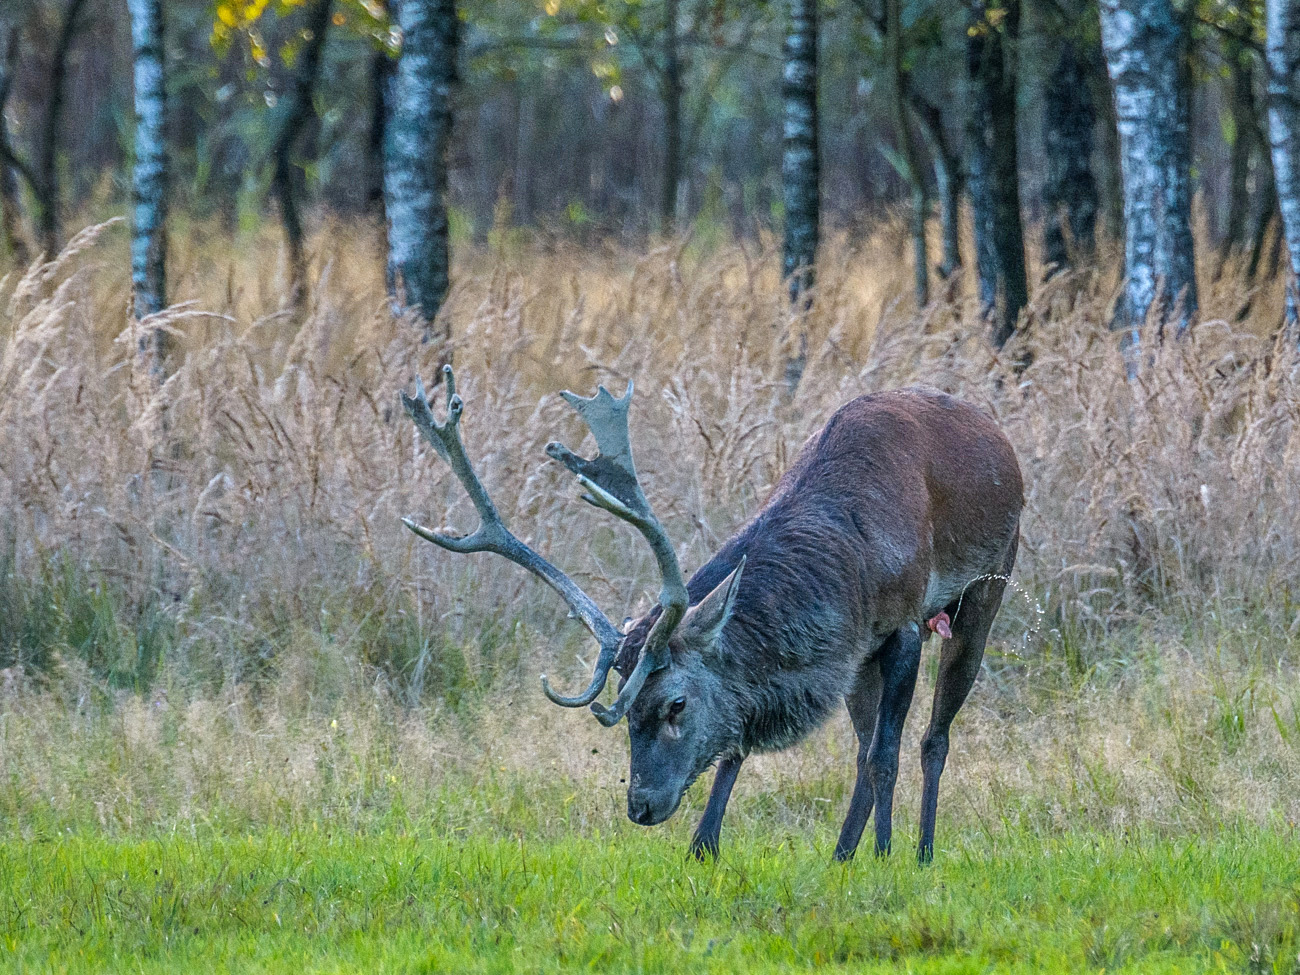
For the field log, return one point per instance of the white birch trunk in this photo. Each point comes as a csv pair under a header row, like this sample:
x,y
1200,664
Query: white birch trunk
x,y
149,179
1283,25
1146,44
415,158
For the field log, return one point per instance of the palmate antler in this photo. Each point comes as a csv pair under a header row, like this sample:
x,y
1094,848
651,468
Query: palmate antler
x,y
611,483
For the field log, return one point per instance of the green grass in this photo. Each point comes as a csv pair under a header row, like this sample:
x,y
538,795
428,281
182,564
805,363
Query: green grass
x,y
409,897
332,815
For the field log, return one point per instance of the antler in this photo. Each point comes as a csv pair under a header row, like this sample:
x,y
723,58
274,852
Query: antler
x,y
611,483
493,536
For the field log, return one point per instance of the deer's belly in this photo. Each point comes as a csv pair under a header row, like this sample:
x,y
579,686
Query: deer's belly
x,y
942,589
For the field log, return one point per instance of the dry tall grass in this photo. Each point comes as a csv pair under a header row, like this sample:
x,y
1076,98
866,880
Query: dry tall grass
x,y
250,505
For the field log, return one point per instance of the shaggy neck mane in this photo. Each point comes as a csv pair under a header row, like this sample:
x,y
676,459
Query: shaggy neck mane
x,y
798,597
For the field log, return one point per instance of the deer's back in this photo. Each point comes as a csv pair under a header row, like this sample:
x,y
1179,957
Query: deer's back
x,y
914,445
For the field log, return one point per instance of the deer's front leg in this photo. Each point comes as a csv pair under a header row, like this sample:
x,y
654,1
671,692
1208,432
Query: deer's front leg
x,y
863,702
705,841
898,682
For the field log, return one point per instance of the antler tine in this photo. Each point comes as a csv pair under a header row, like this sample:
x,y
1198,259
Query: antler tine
x,y
610,482
493,536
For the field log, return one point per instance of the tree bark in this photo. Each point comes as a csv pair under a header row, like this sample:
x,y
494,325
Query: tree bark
x,y
906,148
149,180
415,155
296,113
1240,105
382,68
1069,119
1110,181
947,182
947,165
11,236
47,165
1146,44
1283,27
993,175
1266,211
800,163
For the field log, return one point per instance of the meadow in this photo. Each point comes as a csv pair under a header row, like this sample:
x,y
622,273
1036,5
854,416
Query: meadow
x,y
248,722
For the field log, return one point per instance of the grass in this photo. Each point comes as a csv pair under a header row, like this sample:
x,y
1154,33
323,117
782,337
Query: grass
x,y
249,722
1138,818
402,895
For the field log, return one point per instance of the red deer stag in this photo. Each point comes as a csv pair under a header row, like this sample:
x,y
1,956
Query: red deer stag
x,y
904,508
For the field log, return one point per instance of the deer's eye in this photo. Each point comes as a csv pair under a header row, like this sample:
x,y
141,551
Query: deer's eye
x,y
677,707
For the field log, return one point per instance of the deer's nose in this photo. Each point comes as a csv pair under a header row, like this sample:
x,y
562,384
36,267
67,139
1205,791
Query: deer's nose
x,y
639,812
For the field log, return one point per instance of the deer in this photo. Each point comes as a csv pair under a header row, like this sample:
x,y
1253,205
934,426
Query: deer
x,y
899,517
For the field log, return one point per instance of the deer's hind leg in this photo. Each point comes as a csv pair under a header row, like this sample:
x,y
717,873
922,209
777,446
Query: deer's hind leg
x,y
959,665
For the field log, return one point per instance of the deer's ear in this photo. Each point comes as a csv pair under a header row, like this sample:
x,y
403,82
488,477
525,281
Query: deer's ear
x,y
704,621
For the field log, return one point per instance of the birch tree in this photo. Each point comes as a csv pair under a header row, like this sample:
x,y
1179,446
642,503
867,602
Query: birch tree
x,y
149,180
993,174
1146,45
800,166
415,155
1283,47
800,175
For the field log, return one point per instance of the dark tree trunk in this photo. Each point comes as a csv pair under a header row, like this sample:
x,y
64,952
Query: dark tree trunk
x,y
1146,43
1110,180
47,165
382,68
993,175
1240,104
906,148
524,179
1249,161
1283,26
11,235
1266,211
947,182
1069,189
800,164
297,112
149,181
905,103
415,155
672,99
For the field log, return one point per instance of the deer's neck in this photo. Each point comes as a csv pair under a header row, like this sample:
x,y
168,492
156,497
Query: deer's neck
x,y
795,640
